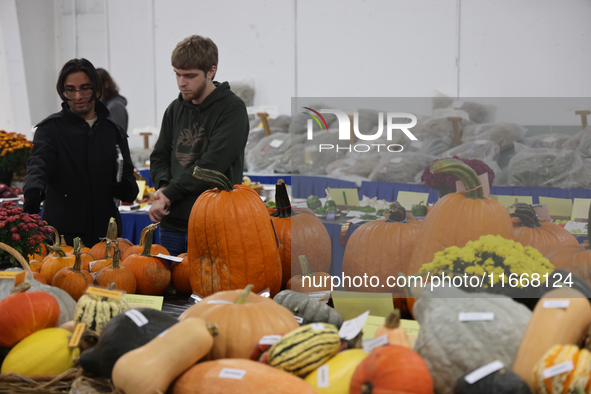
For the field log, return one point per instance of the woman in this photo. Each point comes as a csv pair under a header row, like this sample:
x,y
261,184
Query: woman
x,y
111,98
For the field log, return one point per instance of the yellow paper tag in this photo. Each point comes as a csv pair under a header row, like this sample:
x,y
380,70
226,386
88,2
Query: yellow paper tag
x,y
307,157
558,207
510,200
101,291
9,274
411,327
144,301
76,335
144,204
371,325
580,208
351,304
408,199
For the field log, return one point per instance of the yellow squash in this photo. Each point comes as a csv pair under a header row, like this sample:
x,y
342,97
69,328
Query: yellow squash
x,y
44,352
340,371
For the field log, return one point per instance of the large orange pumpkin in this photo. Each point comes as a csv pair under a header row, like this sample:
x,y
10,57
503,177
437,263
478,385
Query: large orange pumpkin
x,y
25,312
73,280
382,248
243,319
151,274
299,234
392,369
231,239
459,217
574,258
544,236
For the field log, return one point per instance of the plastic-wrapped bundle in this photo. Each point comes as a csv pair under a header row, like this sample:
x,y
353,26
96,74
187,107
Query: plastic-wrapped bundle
x,y
279,124
299,120
543,167
478,149
581,142
433,145
307,159
553,141
262,158
439,126
244,90
580,179
504,134
361,164
400,167
283,164
478,113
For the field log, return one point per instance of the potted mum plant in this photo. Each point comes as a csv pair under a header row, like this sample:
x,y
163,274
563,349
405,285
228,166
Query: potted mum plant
x,y
445,183
22,231
14,152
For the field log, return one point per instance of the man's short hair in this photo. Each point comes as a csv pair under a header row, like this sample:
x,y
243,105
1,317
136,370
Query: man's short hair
x,y
195,52
78,65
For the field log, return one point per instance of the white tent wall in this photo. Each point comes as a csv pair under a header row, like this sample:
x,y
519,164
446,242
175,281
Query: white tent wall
x,y
375,48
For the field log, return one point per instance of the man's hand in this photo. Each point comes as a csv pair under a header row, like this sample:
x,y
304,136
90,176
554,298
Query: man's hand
x,y
159,208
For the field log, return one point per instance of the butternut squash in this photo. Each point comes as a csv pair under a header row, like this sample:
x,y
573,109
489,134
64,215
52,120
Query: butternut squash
x,y
151,368
552,326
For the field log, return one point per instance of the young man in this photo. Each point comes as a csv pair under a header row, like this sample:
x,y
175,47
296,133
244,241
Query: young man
x,y
73,166
206,126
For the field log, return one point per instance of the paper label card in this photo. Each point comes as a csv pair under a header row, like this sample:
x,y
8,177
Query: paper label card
x,y
101,291
144,301
269,339
408,199
76,335
317,326
351,328
168,257
370,345
276,143
484,371
556,304
580,209
140,185
558,369
510,200
483,180
351,304
137,317
232,373
322,377
371,325
558,207
542,211
9,274
476,316
344,196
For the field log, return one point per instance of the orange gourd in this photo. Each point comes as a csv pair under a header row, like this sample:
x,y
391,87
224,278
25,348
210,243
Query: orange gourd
x,y
35,265
54,262
544,236
382,248
151,274
73,280
138,249
314,281
392,369
299,234
459,217
180,275
122,277
231,239
393,330
25,312
243,318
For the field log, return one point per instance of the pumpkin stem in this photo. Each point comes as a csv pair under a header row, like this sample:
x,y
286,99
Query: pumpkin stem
x,y
463,172
525,213
244,295
116,255
63,241
306,271
77,254
393,319
56,235
56,250
21,288
397,212
213,329
366,388
144,233
148,245
213,178
112,229
283,205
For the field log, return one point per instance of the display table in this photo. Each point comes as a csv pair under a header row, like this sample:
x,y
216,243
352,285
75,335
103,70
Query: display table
x,y
133,223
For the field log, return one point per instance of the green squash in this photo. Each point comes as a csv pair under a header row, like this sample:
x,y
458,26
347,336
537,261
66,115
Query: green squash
x,y
451,347
313,202
503,381
312,310
121,335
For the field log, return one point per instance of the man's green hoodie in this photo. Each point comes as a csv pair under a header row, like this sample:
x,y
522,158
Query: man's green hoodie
x,y
210,135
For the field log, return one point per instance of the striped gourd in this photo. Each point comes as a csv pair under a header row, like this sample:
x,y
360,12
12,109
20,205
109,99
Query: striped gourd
x,y
305,349
565,382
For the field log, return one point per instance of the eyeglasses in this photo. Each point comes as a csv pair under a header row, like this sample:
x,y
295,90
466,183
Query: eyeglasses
x,y
84,92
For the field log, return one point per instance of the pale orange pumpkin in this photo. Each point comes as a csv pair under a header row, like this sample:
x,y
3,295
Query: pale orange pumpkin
x,y
243,319
309,281
231,239
544,236
180,275
54,262
73,280
459,217
151,274
300,234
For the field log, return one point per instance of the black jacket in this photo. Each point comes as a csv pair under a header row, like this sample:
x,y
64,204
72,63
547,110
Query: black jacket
x,y
210,135
75,167
117,111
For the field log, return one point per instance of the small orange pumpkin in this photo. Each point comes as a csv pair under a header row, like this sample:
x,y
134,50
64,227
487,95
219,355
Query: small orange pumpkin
x,y
180,275
138,249
315,281
54,262
99,249
393,330
122,277
73,280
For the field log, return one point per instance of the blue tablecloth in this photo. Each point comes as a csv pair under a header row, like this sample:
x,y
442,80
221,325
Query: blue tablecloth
x,y
146,174
305,186
133,223
262,179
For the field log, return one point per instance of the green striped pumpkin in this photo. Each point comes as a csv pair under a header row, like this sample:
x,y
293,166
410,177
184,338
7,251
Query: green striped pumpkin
x,y
305,349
